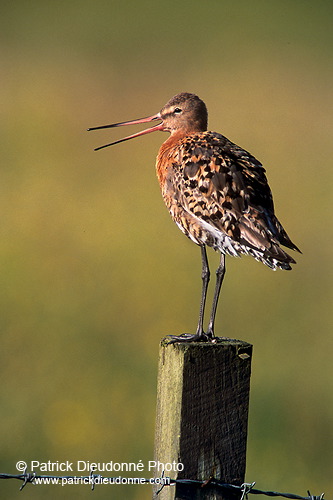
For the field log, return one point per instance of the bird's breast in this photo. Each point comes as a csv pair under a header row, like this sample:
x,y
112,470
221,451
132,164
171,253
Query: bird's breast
x,y
170,153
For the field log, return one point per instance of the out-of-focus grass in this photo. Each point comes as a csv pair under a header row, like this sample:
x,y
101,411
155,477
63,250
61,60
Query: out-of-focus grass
x,y
93,271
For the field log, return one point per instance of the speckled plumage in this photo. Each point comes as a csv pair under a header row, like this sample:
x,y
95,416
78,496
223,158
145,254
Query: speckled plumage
x,y
218,195
216,192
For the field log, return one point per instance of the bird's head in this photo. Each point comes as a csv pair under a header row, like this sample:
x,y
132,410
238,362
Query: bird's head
x,y
184,112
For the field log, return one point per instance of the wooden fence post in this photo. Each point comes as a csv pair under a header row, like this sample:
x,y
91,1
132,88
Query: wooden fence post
x,y
202,414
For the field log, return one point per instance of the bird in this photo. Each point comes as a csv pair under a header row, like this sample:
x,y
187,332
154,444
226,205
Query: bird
x,y
216,192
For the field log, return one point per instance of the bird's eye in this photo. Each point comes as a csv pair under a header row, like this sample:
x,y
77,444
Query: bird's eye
x,y
177,111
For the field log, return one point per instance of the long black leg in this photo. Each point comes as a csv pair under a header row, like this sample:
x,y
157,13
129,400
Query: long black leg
x,y
200,335
205,276
220,272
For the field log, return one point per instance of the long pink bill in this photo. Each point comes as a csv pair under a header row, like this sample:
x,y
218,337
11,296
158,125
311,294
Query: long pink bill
x,y
131,122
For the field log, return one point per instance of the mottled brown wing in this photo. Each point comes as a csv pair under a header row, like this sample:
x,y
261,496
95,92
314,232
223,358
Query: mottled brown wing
x,y
227,187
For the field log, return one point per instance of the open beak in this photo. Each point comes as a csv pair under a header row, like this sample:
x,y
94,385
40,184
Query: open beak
x,y
132,122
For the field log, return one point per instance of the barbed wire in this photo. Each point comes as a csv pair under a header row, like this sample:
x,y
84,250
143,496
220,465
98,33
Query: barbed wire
x,y
243,490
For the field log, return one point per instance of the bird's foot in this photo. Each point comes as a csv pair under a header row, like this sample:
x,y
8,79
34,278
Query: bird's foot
x,y
189,337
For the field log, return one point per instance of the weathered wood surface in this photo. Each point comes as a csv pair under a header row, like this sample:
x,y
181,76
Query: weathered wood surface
x,y
202,413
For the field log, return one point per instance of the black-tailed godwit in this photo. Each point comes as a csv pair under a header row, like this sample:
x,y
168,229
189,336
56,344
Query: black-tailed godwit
x,y
216,192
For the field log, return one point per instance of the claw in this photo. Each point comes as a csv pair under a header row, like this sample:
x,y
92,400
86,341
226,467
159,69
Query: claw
x,y
188,337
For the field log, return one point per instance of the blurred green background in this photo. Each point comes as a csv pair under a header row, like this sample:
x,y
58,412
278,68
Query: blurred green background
x,y
93,270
